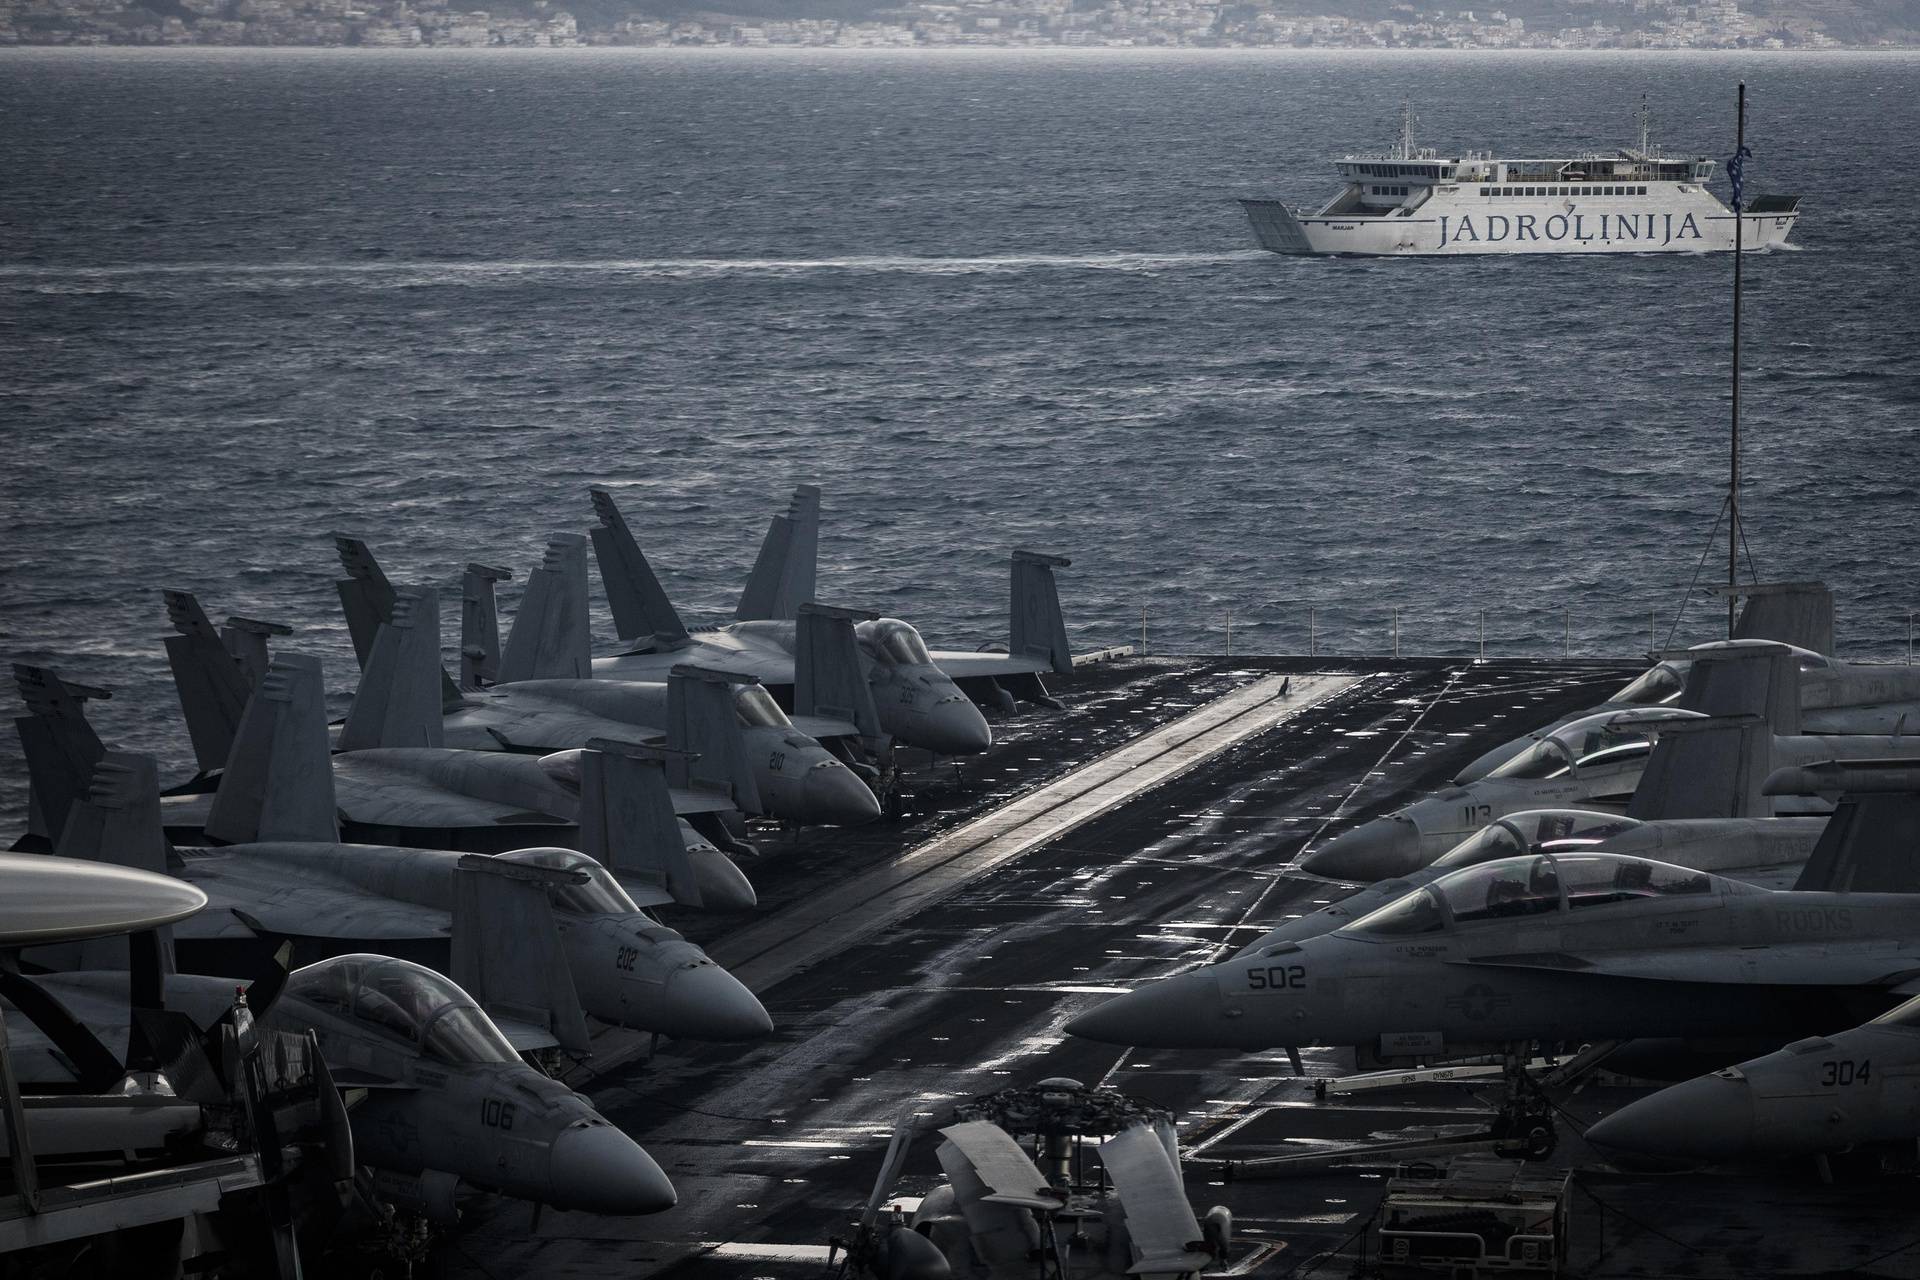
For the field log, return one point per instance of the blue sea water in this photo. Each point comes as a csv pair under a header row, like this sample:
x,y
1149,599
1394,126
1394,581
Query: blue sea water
x,y
985,299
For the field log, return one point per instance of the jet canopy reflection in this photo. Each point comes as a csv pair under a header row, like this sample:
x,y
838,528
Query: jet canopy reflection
x,y
1536,885
1535,831
600,895
1595,741
895,641
1664,681
402,1001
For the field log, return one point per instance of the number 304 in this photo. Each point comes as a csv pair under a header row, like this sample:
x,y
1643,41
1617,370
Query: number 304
x,y
1845,1071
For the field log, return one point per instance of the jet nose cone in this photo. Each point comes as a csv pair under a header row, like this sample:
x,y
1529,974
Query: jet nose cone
x,y
1710,1118
955,727
1181,1012
706,1002
834,794
1376,850
598,1169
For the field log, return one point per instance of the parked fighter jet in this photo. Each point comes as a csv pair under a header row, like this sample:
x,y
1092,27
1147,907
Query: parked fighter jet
x,y
917,703
547,701
1818,1095
214,671
280,784
446,1098
596,951
1565,948
1835,696
1037,637
1592,763
1712,770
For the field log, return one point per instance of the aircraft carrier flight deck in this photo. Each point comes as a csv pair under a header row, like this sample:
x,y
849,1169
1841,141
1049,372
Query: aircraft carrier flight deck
x,y
919,962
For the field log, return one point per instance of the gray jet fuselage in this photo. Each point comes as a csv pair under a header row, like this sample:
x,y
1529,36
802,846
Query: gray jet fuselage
x,y
1817,1095
1707,957
628,968
456,1099
798,779
918,704
1413,836
1705,844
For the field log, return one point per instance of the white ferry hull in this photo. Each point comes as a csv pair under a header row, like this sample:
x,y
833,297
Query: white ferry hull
x,y
1477,226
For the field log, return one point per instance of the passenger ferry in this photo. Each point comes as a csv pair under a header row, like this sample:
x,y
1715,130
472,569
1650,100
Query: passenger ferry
x,y
1416,202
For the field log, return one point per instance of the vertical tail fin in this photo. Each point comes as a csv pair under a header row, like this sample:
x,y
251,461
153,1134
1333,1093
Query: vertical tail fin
x,y
366,597
829,678
703,725
398,702
1757,680
480,626
212,686
246,640
1796,613
60,747
1714,768
278,783
640,605
1035,628
783,576
626,817
118,821
551,637
507,952
1871,844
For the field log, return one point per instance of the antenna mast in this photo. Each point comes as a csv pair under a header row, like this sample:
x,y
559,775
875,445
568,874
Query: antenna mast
x,y
1406,129
1733,467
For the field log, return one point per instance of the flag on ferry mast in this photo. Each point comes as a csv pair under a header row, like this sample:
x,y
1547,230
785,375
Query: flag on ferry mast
x,y
1736,173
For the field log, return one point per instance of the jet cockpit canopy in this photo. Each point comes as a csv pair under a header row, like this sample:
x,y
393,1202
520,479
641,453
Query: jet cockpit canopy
x,y
894,641
1533,885
404,1001
1535,831
1663,682
758,710
601,895
1902,1015
1591,741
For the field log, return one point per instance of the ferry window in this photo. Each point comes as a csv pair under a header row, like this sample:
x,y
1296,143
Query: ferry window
x,y
1639,191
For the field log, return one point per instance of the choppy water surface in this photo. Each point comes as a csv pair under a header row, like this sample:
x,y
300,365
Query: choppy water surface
x,y
249,297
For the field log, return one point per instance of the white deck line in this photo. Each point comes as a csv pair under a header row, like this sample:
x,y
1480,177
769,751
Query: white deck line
x,y
844,914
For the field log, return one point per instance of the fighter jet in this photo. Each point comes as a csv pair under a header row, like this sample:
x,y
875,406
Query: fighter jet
x,y
1816,1096
917,703
1595,762
783,578
545,699
596,952
281,784
1711,770
1835,696
443,1098
1567,948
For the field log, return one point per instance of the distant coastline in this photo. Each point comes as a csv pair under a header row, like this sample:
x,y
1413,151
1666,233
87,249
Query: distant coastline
x,y
1624,25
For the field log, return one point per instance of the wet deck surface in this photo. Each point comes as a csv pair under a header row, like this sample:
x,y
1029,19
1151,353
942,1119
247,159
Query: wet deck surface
x,y
774,1146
